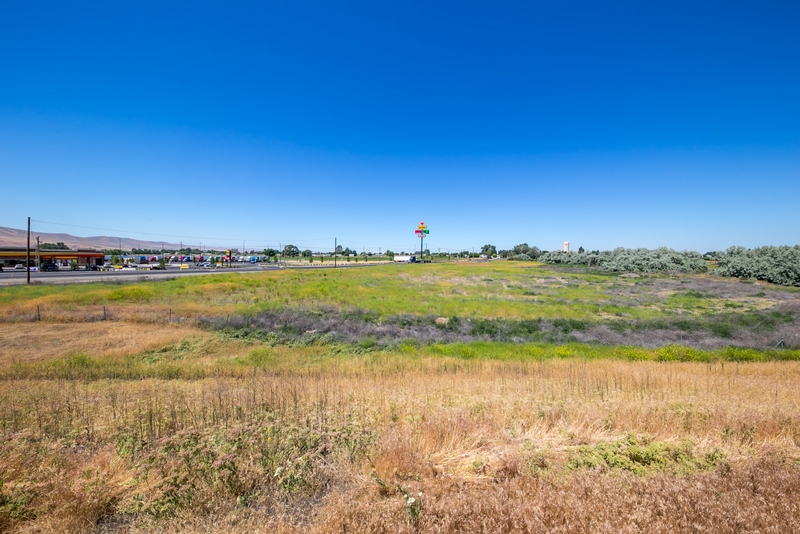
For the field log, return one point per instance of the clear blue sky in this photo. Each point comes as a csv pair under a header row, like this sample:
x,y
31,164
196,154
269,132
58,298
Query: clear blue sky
x,y
634,124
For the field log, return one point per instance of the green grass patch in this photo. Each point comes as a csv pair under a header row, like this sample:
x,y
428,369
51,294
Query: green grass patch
x,y
360,357
546,351
498,290
641,455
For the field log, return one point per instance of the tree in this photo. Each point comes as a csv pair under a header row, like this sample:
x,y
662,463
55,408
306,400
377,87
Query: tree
x,y
271,253
53,246
306,253
580,250
291,251
489,250
524,248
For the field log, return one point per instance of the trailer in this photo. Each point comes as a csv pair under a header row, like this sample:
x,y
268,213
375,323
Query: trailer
x,y
404,259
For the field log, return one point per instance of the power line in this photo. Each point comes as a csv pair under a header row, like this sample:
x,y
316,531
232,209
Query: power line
x,y
176,236
125,231
254,242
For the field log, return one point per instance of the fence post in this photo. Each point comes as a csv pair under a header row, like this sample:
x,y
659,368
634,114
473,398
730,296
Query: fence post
x,y
38,314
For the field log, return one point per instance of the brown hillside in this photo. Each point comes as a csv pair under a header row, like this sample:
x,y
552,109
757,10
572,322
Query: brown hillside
x,y
12,237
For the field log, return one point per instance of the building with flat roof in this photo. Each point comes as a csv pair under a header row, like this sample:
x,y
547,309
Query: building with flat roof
x,y
10,256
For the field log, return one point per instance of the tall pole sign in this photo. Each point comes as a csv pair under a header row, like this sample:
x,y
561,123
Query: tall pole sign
x,y
422,232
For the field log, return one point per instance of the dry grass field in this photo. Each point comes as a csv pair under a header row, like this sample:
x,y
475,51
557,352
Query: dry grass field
x,y
314,411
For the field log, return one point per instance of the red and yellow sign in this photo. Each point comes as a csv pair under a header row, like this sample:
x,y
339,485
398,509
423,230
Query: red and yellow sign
x,y
422,231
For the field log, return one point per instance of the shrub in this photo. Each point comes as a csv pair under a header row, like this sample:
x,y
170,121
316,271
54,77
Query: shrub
x,y
778,265
641,260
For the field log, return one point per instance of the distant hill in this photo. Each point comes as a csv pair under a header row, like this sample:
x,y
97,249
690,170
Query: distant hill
x,y
12,237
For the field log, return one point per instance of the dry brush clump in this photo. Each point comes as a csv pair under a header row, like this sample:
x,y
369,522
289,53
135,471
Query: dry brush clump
x,y
759,496
327,326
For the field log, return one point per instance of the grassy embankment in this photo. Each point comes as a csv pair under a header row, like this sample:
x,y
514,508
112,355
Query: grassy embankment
x,y
137,422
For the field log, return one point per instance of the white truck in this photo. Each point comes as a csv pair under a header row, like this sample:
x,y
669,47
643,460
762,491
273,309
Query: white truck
x,y
404,259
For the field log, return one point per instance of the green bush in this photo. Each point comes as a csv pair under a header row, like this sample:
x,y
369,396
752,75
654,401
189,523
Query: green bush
x,y
521,257
641,260
778,265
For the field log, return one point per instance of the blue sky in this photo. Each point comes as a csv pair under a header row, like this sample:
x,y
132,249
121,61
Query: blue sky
x,y
634,124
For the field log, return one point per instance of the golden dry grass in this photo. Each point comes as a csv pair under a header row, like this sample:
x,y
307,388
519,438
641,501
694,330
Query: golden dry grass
x,y
38,341
219,432
487,443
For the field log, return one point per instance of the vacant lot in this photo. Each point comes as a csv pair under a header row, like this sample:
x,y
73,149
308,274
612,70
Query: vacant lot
x,y
415,398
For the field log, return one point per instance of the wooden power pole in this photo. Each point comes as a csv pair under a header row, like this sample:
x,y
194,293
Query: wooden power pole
x,y
28,254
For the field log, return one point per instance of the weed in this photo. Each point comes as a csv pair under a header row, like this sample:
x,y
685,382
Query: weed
x,y
642,455
569,325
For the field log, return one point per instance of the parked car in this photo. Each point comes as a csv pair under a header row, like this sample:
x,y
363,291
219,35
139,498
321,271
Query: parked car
x,y
19,266
48,267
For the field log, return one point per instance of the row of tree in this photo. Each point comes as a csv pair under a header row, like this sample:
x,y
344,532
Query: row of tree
x,y
53,246
292,251
521,252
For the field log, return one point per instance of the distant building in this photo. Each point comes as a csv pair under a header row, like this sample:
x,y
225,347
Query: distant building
x,y
10,256
566,246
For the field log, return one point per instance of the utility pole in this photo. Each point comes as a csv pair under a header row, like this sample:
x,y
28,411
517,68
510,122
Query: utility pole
x,y
38,261
335,248
28,254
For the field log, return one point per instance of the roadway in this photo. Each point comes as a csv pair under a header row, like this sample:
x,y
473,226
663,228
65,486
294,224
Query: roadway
x,y
11,277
